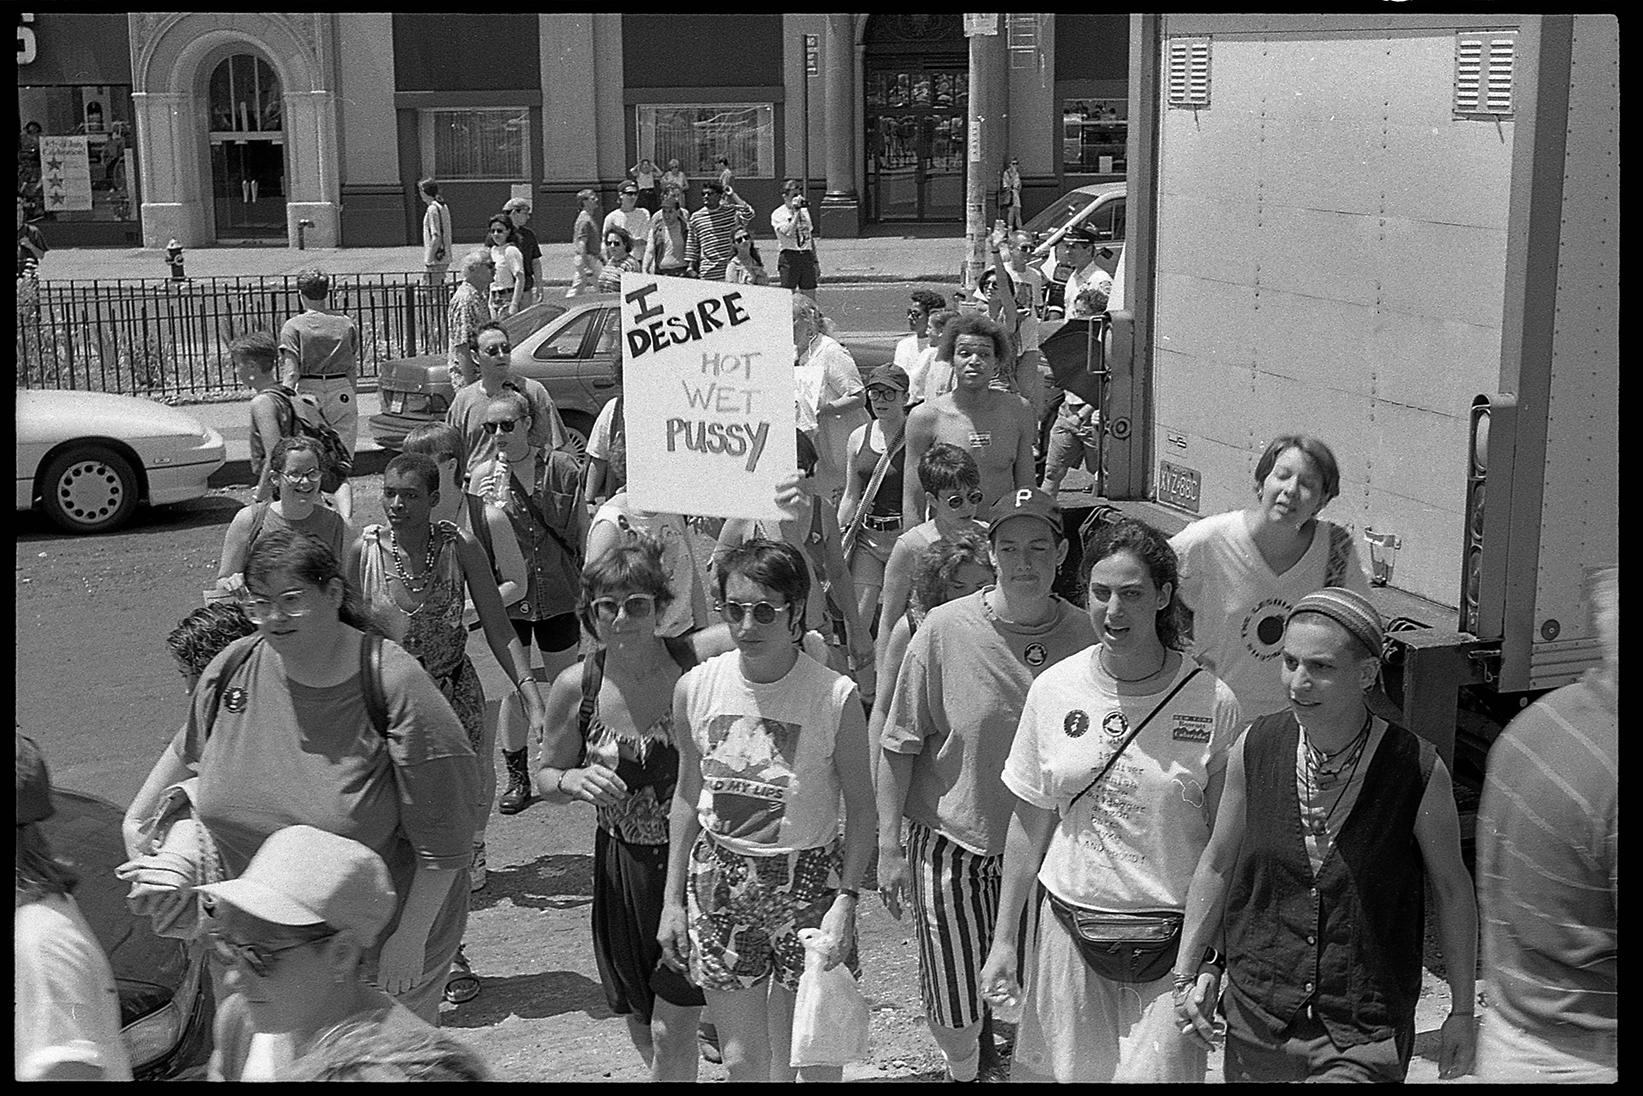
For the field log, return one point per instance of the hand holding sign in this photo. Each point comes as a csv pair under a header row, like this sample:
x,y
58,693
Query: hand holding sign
x,y
707,395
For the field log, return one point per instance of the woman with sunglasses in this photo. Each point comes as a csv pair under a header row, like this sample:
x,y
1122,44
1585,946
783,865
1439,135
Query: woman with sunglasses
x,y
281,732
539,491
298,463
289,936
746,266
508,285
612,743
618,257
772,758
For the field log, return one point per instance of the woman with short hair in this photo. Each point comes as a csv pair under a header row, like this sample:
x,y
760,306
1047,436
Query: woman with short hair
x,y
746,266
1242,571
618,257
299,464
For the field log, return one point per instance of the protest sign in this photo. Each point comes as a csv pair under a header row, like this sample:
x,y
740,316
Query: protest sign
x,y
707,383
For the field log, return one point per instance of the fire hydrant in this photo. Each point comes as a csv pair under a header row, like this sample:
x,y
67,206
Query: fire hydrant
x,y
174,259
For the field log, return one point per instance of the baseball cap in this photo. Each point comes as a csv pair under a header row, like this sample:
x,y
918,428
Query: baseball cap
x,y
33,783
306,876
629,188
889,376
1082,233
1024,502
1352,611
516,203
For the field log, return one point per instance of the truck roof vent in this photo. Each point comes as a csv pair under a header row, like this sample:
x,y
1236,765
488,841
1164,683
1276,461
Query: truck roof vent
x,y
1484,65
1189,72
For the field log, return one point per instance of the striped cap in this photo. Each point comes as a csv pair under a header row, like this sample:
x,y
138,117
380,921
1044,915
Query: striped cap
x,y
1350,610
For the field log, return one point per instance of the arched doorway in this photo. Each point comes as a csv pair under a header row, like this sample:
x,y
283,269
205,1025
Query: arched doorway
x,y
917,101
247,149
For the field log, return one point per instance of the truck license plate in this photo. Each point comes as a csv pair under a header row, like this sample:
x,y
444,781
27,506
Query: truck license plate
x,y
1178,486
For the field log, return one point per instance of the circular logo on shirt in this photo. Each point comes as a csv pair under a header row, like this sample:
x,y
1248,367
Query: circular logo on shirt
x,y
1115,724
1036,654
1076,723
235,699
1262,629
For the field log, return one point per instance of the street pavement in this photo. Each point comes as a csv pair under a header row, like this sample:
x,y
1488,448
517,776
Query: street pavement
x,y
875,258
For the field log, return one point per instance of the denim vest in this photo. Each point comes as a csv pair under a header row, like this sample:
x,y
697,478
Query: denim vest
x,y
1348,941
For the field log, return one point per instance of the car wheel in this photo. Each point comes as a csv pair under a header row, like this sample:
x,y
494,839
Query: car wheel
x,y
577,429
89,489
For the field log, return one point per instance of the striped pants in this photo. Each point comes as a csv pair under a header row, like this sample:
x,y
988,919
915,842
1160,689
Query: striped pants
x,y
955,907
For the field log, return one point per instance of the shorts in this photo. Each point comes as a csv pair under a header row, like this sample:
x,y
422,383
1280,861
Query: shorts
x,y
870,555
1304,1051
557,633
745,913
338,405
628,885
797,269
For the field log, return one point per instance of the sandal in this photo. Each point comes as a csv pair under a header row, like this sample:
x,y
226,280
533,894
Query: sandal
x,y
461,984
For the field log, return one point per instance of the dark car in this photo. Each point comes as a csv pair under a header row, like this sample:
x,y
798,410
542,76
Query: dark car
x,y
165,993
571,346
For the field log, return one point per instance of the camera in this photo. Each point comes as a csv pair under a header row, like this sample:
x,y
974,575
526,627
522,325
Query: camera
x,y
801,203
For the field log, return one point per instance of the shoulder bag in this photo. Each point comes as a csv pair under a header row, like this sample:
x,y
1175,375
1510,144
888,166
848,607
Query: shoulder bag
x,y
1124,947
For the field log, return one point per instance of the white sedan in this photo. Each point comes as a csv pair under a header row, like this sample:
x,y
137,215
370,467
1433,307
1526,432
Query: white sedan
x,y
88,458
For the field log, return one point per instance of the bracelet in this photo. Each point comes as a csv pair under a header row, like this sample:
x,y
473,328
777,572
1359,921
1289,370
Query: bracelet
x,y
559,785
1213,958
851,892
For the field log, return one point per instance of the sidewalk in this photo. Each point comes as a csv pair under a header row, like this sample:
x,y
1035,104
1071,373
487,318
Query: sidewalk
x,y
877,258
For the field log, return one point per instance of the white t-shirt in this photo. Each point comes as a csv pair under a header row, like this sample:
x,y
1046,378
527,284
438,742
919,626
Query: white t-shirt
x,y
1238,605
637,223
1133,842
768,781
907,355
688,610
828,374
510,265
793,229
66,1007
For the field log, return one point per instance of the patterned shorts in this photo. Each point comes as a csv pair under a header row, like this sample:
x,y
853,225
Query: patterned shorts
x,y
746,911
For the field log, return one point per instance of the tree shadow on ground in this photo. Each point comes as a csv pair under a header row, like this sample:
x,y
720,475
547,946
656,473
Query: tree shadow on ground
x,y
557,881
531,997
30,526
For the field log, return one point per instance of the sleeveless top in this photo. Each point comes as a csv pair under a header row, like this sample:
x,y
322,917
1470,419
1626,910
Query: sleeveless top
x,y
887,503
646,761
433,632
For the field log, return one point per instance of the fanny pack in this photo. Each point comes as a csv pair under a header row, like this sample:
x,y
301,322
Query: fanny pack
x,y
1122,947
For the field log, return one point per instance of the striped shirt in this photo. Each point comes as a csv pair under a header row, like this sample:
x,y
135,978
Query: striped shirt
x,y
1548,848
709,243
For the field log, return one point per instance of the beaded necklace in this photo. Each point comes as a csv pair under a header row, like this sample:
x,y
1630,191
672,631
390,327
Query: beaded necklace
x,y
411,585
1318,777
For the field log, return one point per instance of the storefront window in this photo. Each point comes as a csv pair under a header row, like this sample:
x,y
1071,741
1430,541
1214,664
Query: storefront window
x,y
480,143
1093,136
696,136
89,178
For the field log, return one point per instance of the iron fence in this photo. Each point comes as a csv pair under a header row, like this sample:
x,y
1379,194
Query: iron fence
x,y
165,339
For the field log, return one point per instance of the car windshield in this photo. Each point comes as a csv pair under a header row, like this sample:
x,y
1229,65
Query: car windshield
x,y
531,319
1058,213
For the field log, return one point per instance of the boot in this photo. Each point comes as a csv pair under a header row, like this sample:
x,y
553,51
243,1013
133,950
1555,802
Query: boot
x,y
518,794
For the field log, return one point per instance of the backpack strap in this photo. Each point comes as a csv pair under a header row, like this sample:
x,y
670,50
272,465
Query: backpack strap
x,y
682,650
370,678
593,676
230,668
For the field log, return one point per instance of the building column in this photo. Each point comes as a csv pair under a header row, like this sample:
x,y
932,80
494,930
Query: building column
x,y
311,162
841,209
174,206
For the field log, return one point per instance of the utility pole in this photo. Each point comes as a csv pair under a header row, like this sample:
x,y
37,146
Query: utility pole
x,y
986,116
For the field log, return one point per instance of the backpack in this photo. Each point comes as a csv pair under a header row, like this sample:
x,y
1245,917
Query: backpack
x,y
370,673
338,464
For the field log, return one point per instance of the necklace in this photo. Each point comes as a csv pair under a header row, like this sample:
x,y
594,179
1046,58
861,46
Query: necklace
x,y
1317,760
1101,657
411,585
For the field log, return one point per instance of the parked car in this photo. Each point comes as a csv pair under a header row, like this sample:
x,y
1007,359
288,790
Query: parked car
x,y
1099,206
88,458
572,346
165,992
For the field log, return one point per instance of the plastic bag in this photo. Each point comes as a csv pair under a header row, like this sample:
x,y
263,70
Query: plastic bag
x,y
829,1014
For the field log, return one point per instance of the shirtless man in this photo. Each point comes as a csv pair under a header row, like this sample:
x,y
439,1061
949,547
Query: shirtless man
x,y
996,427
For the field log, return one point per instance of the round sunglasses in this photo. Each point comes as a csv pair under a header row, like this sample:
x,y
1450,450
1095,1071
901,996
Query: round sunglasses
x,y
763,611
973,498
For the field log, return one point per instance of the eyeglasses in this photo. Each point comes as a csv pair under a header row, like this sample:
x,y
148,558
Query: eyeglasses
x,y
506,426
916,312
261,960
636,606
973,498
311,476
883,393
500,229
742,240
292,604
496,351
763,612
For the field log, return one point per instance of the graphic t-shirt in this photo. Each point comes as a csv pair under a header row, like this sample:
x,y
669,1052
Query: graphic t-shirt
x,y
768,782
958,699
1238,605
1133,842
